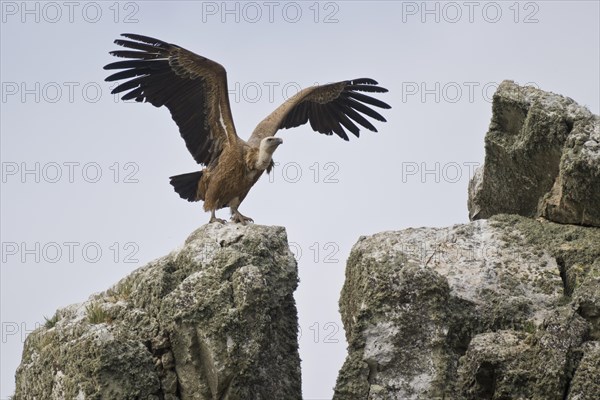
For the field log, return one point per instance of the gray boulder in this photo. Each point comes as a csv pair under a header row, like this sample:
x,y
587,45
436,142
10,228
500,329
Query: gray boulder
x,y
542,158
215,319
494,309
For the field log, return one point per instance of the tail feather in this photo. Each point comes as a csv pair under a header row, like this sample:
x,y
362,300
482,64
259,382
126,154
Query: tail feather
x,y
186,185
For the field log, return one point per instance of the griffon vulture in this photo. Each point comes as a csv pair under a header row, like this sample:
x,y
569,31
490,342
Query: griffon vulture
x,y
194,89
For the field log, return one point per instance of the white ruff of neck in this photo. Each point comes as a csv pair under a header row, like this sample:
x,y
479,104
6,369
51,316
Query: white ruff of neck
x,y
265,155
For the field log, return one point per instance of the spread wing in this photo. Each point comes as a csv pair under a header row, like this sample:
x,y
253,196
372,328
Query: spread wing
x,y
331,108
192,87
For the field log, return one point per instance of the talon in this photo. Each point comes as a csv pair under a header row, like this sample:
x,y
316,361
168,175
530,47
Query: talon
x,y
219,220
239,218
213,218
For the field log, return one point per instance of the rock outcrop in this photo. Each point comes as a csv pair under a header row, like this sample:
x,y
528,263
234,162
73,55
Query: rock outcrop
x,y
507,306
493,309
215,319
504,307
542,159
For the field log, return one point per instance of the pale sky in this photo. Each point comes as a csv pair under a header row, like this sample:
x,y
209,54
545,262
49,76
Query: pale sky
x,y
85,191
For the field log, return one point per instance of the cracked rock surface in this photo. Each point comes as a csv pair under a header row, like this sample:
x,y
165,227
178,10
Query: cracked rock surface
x,y
215,319
505,308
542,158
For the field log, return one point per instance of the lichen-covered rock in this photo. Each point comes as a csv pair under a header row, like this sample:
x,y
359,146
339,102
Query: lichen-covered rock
x,y
215,319
585,384
477,311
542,158
523,365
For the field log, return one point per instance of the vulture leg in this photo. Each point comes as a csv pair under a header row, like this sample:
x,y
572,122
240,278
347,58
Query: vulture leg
x,y
236,216
213,218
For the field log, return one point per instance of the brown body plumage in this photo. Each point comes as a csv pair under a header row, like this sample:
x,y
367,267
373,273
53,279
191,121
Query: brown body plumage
x,y
231,178
194,89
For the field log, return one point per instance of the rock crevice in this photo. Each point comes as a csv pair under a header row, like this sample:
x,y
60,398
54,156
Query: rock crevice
x,y
542,159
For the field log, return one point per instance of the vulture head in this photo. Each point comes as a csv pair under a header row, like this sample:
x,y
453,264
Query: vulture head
x,y
267,147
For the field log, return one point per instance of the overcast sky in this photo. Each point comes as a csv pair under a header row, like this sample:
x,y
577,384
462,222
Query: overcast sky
x,y
85,191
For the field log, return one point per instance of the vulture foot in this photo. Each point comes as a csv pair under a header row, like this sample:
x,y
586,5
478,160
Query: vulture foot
x,y
242,219
213,218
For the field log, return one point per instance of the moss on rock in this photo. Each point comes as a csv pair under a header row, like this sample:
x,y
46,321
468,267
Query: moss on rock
x,y
214,319
471,311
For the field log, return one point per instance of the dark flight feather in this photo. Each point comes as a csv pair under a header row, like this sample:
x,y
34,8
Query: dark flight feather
x,y
367,88
367,99
361,107
192,87
333,108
